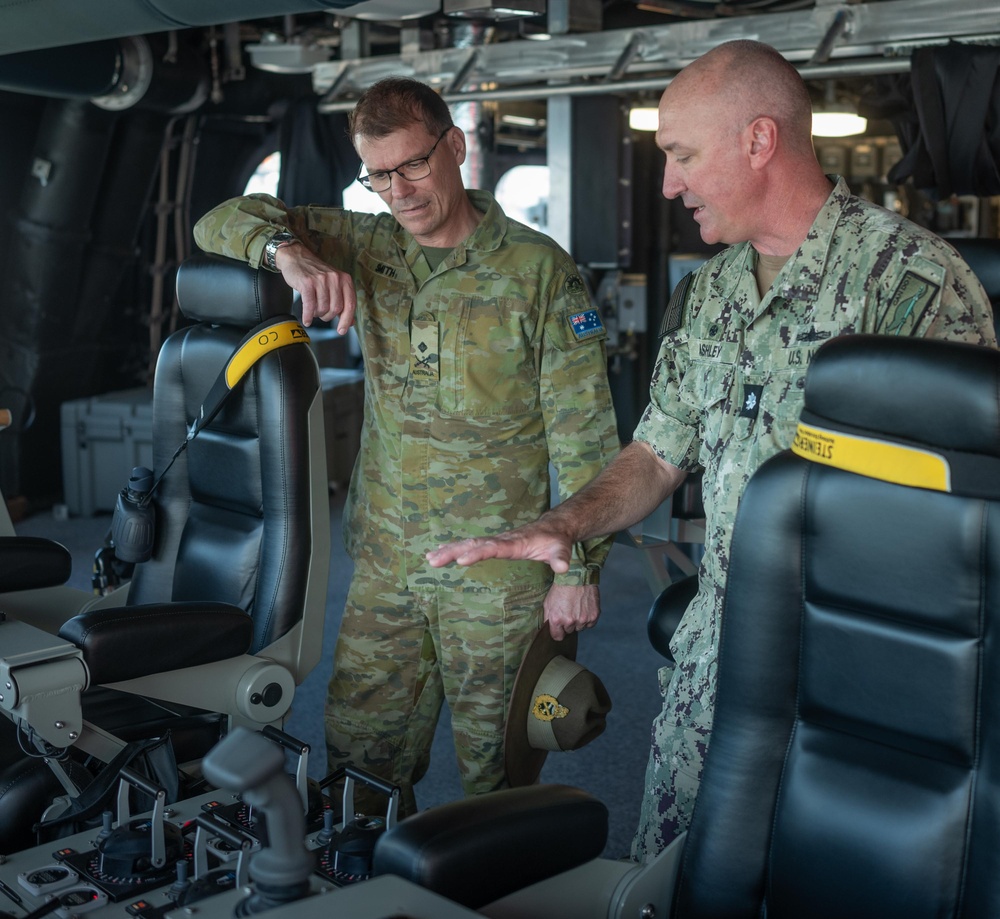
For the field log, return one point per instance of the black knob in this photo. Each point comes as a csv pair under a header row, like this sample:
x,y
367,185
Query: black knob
x,y
272,694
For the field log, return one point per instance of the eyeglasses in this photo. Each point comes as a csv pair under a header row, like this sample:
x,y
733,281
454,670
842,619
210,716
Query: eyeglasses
x,y
419,168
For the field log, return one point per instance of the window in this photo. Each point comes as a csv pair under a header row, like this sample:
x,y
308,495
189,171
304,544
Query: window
x,y
356,197
523,193
265,177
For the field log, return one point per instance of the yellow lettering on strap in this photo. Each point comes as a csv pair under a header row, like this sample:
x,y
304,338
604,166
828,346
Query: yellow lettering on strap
x,y
877,459
279,335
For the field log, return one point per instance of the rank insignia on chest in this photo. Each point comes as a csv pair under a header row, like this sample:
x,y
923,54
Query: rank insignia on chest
x,y
751,401
586,324
424,362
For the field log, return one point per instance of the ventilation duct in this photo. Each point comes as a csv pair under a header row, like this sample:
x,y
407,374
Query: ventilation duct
x,y
493,9
386,10
115,75
75,72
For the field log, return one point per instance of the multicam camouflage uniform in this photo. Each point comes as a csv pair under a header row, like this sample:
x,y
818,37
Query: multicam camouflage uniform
x,y
726,395
477,375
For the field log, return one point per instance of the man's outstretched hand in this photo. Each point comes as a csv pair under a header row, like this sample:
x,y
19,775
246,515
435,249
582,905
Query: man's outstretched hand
x,y
537,542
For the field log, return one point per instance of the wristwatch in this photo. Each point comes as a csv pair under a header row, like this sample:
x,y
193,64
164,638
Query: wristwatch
x,y
281,238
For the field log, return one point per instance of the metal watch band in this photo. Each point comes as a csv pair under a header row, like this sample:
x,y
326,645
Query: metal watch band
x,y
279,239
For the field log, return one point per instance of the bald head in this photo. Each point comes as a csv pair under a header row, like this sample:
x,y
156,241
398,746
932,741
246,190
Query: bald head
x,y
735,128
743,80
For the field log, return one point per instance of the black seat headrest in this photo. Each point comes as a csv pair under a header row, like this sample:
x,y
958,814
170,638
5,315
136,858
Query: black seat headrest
x,y
914,411
224,291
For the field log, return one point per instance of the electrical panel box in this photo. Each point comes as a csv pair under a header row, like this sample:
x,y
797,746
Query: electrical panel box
x,y
865,161
632,303
102,438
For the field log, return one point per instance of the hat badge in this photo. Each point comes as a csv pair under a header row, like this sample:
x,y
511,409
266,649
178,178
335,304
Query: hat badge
x,y
547,708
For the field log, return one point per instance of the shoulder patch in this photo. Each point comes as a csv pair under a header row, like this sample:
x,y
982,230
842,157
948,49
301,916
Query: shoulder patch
x,y
907,305
674,316
585,324
574,284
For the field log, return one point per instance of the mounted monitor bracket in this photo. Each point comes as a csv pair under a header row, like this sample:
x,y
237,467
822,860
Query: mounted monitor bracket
x,y
41,680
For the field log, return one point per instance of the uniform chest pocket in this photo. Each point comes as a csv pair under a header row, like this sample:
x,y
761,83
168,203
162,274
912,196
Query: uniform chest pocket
x,y
382,292
782,398
710,374
706,391
488,364
783,394
799,344
382,319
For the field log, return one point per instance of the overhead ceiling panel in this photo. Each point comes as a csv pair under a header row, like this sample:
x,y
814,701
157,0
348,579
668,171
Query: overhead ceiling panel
x,y
26,25
878,35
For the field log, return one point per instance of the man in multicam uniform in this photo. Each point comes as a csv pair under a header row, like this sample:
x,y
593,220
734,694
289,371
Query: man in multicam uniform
x,y
484,361
811,261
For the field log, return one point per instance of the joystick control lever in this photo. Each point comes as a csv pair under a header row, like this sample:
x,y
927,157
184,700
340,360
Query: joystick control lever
x,y
246,763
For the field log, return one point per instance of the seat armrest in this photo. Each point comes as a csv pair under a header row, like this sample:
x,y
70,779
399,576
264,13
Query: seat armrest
x,y
30,562
666,612
127,642
482,848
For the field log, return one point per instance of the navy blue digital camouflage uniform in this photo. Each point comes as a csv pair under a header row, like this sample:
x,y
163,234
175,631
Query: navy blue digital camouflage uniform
x,y
726,395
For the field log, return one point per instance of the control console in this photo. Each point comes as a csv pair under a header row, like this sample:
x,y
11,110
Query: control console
x,y
261,843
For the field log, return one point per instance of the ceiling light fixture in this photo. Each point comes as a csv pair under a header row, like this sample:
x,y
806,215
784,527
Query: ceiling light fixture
x,y
836,119
521,121
643,118
838,124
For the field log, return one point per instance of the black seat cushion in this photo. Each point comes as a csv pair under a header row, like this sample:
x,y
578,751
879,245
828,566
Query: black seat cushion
x,y
126,642
523,835
30,562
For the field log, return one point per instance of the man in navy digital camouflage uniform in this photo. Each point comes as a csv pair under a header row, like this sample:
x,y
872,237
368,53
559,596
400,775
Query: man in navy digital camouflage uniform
x,y
808,261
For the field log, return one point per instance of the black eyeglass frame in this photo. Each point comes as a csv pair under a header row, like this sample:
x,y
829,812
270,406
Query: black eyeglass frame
x,y
366,180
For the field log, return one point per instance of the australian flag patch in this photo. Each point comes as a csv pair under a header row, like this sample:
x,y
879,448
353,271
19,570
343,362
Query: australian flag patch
x,y
586,324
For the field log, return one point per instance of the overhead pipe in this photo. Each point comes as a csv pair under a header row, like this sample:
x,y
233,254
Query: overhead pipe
x,y
631,51
74,72
455,86
818,72
334,89
839,26
469,35
867,38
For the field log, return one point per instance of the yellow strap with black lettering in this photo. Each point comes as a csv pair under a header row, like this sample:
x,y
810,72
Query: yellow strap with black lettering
x,y
876,459
260,340
278,335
